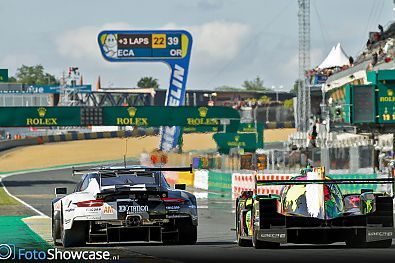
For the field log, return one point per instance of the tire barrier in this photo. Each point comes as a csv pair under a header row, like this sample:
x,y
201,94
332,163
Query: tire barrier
x,y
279,125
200,162
97,135
9,144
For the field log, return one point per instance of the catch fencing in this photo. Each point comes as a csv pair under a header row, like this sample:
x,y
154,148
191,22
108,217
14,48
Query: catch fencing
x,y
232,174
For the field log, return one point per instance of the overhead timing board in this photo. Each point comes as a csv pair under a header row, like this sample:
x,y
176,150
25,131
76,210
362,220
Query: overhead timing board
x,y
172,47
119,45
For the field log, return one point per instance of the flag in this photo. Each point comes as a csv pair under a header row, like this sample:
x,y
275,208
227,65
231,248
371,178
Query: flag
x,y
98,86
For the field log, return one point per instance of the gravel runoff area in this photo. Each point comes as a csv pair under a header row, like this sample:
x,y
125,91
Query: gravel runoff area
x,y
85,151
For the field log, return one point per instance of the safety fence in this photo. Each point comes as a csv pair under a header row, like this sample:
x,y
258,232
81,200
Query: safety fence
x,y
233,184
354,160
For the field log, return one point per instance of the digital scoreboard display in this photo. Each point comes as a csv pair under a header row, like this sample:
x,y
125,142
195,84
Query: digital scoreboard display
x,y
363,104
172,47
127,46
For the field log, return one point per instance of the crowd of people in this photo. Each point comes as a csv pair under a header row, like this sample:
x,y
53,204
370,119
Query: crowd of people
x,y
315,74
379,48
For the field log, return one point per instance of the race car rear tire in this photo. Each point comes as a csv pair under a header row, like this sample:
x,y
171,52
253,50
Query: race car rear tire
x,y
56,234
75,236
243,242
240,241
187,233
258,244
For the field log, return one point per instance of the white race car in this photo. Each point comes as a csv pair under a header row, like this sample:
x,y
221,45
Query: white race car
x,y
117,204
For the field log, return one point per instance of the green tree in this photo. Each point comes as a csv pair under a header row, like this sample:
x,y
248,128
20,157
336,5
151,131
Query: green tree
x,y
265,100
289,104
255,84
227,88
35,75
147,83
12,80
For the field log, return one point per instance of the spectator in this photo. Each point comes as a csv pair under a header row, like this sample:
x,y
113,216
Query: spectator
x,y
368,44
313,136
381,30
374,59
351,61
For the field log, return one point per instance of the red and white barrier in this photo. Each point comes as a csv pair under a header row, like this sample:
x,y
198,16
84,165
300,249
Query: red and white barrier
x,y
245,182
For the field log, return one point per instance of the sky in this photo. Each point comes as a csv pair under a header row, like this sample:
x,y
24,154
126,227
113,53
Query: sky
x,y
233,40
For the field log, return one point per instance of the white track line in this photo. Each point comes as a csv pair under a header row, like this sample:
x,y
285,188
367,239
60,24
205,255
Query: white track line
x,y
35,171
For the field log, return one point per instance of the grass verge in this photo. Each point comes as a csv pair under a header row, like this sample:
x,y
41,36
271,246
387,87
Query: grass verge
x,y
5,199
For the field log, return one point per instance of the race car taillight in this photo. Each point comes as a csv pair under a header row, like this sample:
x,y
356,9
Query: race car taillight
x,y
91,203
173,200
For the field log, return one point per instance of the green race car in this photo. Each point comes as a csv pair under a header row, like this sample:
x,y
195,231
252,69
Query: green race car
x,y
312,209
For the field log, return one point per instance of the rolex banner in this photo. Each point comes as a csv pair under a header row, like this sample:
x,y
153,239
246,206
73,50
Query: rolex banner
x,y
226,141
154,116
139,116
39,116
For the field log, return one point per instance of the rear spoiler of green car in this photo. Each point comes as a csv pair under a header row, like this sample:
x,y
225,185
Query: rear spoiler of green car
x,y
325,181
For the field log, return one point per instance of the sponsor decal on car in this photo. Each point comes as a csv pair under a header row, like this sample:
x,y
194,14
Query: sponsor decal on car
x,y
380,234
273,235
56,206
93,217
93,210
173,207
108,209
132,209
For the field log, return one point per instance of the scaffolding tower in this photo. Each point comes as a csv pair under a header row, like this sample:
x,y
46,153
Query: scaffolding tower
x,y
303,106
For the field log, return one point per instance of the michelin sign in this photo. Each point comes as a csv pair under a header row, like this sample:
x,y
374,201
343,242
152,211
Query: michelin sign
x,y
172,47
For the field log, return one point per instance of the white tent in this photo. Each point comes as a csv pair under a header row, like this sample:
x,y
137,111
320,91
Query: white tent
x,y
336,58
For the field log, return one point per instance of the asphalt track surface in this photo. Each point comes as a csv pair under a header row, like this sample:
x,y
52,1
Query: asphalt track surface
x,y
216,241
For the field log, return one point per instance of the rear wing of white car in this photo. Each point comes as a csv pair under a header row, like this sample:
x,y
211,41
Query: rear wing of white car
x,y
120,170
108,171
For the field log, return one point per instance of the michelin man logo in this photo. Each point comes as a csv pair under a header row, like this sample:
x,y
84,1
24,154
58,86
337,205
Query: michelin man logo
x,y
110,45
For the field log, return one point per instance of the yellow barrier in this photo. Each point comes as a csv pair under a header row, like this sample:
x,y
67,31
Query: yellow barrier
x,y
186,178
